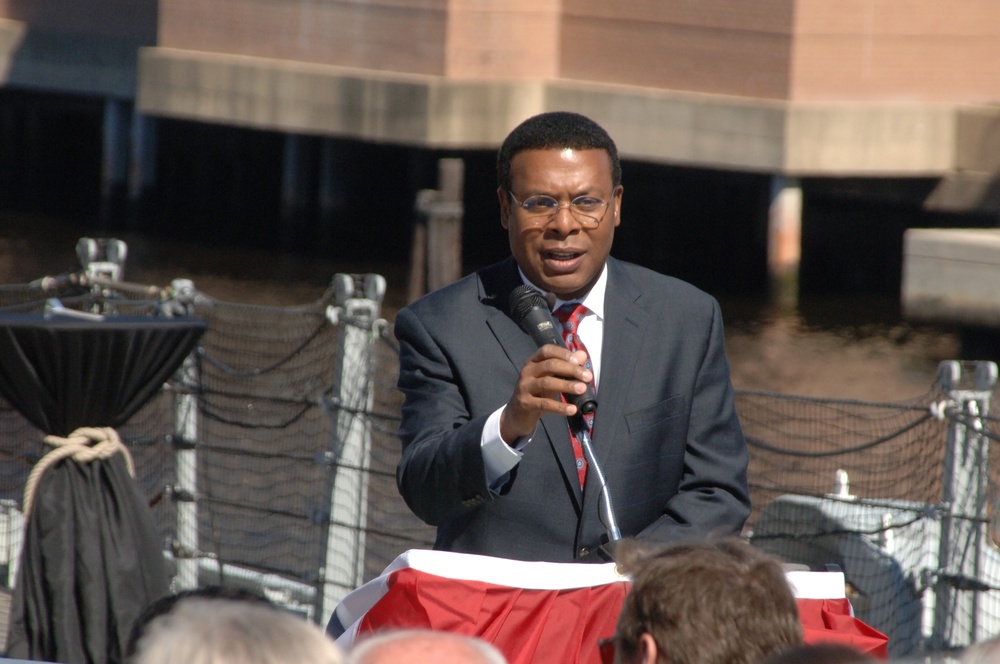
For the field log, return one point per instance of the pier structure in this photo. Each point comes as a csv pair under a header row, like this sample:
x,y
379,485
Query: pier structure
x,y
799,101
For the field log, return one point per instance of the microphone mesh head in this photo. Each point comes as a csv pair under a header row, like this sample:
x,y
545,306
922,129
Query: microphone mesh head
x,y
523,299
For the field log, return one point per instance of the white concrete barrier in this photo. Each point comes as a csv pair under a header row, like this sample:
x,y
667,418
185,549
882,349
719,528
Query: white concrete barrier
x,y
952,276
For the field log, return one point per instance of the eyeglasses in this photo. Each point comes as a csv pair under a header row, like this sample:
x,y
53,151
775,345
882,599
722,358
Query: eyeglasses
x,y
607,649
587,210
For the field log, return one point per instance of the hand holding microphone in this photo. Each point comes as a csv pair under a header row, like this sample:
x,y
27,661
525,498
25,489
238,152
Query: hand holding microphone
x,y
530,310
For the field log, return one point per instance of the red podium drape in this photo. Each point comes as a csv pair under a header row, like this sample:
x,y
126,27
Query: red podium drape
x,y
832,620
547,612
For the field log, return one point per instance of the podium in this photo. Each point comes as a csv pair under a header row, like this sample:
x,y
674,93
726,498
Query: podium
x,y
92,558
537,612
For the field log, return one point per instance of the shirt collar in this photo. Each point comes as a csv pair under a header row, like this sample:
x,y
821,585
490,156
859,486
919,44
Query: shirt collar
x,y
593,300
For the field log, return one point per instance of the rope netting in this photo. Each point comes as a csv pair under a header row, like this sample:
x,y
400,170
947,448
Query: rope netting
x,y
898,496
809,446
265,434
854,484
263,379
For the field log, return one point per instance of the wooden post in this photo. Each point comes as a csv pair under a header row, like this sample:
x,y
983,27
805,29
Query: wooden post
x,y
418,249
114,158
141,167
784,246
332,193
437,237
295,190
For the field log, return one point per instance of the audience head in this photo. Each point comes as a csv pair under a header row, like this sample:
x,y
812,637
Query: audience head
x,y
707,602
820,653
423,646
165,604
983,652
219,631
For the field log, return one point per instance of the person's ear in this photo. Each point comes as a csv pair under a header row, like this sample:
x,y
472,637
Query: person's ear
x,y
618,205
504,206
648,652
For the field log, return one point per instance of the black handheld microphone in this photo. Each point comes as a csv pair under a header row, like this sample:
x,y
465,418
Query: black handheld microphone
x,y
531,312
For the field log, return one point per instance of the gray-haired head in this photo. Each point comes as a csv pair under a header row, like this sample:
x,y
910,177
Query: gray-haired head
x,y
423,646
219,631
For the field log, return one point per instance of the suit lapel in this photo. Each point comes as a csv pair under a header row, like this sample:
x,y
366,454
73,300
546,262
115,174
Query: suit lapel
x,y
495,284
624,325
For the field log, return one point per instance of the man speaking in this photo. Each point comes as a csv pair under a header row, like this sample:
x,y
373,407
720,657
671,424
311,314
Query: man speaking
x,y
495,447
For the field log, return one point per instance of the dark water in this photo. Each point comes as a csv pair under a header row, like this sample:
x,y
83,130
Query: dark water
x,y
850,346
223,186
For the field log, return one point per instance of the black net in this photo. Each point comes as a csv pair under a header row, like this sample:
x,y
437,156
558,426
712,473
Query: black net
x,y
869,488
265,436
805,446
897,496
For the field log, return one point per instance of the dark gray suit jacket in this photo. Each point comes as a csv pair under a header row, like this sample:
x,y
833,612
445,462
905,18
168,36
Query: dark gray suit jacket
x,y
665,432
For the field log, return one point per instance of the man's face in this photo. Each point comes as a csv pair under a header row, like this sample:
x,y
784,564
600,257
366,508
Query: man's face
x,y
556,252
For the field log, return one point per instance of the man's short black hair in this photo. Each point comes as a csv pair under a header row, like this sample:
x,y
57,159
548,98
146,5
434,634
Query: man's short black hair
x,y
553,131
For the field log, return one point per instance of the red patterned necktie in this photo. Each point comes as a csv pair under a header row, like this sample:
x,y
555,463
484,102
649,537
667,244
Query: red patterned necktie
x,y
570,315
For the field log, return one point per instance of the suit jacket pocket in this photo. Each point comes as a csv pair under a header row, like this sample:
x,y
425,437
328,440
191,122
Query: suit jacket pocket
x,y
656,414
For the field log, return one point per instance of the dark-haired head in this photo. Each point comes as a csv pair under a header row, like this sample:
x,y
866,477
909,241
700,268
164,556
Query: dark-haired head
x,y
554,131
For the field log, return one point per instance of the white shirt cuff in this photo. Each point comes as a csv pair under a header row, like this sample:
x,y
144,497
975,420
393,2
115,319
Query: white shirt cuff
x,y
499,458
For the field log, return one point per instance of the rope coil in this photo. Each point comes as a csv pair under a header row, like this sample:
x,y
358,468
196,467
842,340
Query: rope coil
x,y
84,445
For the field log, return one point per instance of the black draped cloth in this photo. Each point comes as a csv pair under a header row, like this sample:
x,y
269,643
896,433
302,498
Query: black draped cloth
x,y
92,557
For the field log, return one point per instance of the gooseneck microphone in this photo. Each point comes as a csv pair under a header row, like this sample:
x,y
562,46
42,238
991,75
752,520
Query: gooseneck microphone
x,y
530,310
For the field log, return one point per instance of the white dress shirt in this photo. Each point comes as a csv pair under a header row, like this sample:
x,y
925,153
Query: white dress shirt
x,y
500,457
